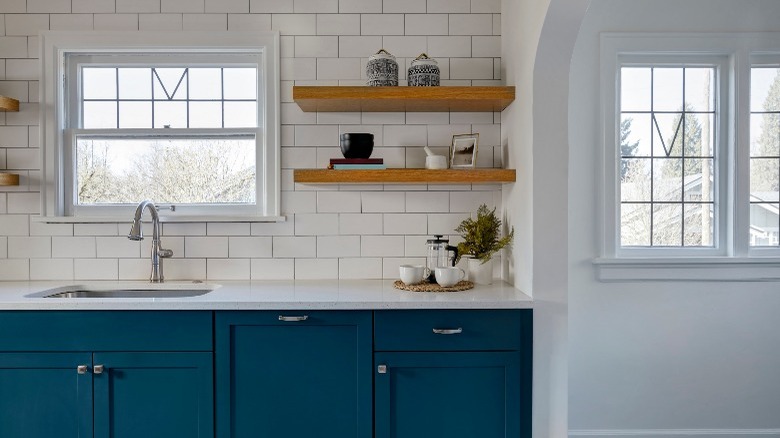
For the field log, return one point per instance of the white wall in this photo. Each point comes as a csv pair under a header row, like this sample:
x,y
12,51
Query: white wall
x,y
331,232
661,358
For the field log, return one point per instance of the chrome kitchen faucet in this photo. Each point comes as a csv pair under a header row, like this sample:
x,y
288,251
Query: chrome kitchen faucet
x,y
158,252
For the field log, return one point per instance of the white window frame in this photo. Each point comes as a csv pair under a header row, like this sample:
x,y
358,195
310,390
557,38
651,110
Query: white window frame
x,y
732,259
57,140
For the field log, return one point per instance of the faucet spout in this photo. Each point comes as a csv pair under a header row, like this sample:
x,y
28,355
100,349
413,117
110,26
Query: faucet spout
x,y
136,233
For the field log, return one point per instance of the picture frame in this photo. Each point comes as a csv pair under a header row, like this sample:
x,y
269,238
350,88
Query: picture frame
x,y
463,151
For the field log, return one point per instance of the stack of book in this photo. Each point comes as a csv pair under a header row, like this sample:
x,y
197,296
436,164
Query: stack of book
x,y
356,163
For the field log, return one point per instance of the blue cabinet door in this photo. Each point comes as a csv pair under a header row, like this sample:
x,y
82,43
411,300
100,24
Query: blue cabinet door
x,y
290,374
153,395
42,395
449,395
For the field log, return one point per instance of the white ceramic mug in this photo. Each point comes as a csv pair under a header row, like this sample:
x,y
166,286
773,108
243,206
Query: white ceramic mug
x,y
412,274
449,275
436,162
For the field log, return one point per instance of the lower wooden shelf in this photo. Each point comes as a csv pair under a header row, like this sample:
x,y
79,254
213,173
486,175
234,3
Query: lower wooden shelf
x,y
9,179
404,176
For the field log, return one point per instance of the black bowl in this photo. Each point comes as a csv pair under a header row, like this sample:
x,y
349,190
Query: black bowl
x,y
357,144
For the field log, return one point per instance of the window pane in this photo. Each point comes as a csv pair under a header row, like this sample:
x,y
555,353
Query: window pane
x,y
171,114
698,225
764,178
178,171
205,83
668,135
764,224
205,115
667,225
240,83
98,83
240,115
635,181
635,220
700,89
170,83
765,135
135,114
699,180
636,132
667,179
764,92
635,89
699,135
99,115
135,83
667,89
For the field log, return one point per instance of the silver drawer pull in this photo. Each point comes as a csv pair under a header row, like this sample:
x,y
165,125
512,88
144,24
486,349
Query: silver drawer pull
x,y
81,369
97,369
381,369
448,331
293,318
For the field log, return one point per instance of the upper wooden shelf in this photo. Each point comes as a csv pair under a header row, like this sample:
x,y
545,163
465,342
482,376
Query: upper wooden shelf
x,y
8,104
404,176
9,179
413,99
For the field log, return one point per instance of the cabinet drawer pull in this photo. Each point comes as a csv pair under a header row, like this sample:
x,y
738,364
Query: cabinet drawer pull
x,y
293,318
97,369
81,369
448,331
381,369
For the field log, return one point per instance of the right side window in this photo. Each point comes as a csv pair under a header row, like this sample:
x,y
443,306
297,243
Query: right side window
x,y
764,155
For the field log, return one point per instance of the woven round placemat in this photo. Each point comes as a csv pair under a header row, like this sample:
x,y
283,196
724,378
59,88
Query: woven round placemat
x,y
432,287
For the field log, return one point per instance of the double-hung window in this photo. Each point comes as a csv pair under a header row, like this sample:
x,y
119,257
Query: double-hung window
x,y
187,120
691,157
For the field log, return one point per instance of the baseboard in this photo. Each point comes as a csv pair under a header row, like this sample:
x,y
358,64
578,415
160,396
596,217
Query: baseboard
x,y
676,433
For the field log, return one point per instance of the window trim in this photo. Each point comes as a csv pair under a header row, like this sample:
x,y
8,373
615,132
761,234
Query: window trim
x,y
736,260
55,46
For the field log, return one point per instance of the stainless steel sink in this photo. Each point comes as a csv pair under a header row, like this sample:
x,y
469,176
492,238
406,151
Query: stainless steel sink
x,y
146,290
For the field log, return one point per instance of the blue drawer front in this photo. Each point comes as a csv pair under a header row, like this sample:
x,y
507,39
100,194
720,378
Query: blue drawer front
x,y
105,331
459,330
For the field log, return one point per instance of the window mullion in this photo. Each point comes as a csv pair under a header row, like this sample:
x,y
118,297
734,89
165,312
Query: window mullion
x,y
739,167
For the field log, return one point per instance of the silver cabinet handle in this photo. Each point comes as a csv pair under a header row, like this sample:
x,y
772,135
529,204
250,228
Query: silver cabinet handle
x,y
97,369
81,369
381,369
293,318
448,331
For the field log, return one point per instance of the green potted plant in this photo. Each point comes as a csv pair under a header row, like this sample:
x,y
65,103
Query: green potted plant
x,y
482,239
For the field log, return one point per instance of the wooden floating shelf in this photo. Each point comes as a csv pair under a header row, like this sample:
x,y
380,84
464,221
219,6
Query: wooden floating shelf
x,y
8,104
412,99
9,179
404,176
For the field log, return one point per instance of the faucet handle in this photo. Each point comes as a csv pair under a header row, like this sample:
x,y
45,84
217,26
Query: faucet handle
x,y
165,253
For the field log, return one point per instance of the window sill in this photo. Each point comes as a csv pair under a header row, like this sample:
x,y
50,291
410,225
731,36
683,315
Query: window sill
x,y
688,269
163,219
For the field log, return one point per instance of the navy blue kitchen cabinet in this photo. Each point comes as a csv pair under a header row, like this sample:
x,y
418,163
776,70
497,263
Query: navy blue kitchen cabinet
x,y
295,374
452,373
106,374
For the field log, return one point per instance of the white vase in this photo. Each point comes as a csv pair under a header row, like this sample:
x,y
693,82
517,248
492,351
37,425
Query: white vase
x,y
481,273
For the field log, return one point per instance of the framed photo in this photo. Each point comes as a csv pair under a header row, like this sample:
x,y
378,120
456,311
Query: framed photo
x,y
463,153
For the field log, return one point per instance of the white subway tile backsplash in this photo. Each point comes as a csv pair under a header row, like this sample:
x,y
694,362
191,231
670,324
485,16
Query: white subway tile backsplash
x,y
294,246
470,201
471,68
382,118
272,269
227,269
175,244
449,46
13,136
15,6
116,21
405,47
148,6
26,24
43,229
205,22
24,203
405,223
316,135
338,24
382,246
414,246
253,22
338,202
471,24
316,224
360,6
360,224
3,247
299,202
427,24
445,223
316,6
390,265
250,247
489,135
96,269
22,70
486,46
117,247
15,269
405,135
425,118
93,6
228,6
15,225
338,68
382,24
227,229
316,46
404,6
182,269
270,6
160,22
449,6
192,6
316,269
383,202
469,118
338,246
28,112
203,247
294,24
51,269
48,6
13,47
428,202
29,247
180,229
15,89
285,228
441,135
359,46
485,6
73,247
298,69
99,229
359,268
351,118
139,269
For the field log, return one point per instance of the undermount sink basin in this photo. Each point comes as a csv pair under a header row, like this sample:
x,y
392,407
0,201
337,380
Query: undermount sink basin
x,y
138,290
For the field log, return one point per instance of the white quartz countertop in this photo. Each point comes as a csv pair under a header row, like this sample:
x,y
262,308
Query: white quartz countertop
x,y
271,295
